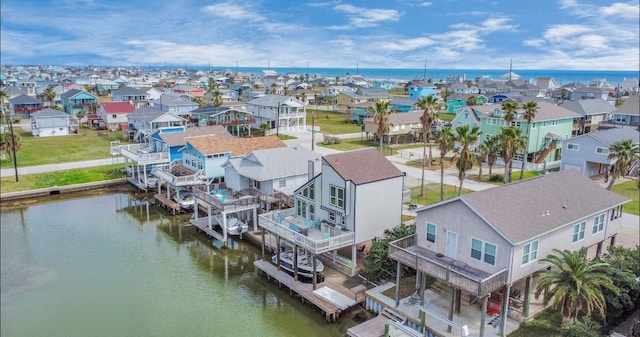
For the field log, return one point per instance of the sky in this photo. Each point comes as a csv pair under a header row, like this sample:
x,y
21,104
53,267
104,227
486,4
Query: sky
x,y
444,34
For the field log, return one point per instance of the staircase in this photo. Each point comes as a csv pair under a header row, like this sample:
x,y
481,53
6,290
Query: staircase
x,y
544,153
634,169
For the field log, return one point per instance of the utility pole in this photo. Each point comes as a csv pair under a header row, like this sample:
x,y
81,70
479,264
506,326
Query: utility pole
x,y
13,147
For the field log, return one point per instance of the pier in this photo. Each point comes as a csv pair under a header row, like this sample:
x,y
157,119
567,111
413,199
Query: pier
x,y
167,203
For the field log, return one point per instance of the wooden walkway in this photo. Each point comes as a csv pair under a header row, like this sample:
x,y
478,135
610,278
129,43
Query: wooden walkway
x,y
166,203
305,290
203,225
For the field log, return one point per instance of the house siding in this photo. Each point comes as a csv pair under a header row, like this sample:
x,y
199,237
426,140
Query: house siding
x,y
378,207
585,157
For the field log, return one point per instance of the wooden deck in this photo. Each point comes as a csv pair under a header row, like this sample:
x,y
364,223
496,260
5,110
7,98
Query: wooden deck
x,y
305,290
203,225
169,204
371,328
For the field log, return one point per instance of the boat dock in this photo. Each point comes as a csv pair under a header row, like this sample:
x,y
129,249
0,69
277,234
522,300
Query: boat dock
x,y
166,203
203,225
331,301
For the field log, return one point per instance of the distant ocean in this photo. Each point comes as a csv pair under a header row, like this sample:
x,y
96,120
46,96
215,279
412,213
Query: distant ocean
x,y
560,76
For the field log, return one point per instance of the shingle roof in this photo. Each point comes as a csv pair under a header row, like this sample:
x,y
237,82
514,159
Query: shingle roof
x,y
129,91
610,136
179,138
362,166
630,106
24,99
589,106
212,144
49,113
519,210
117,107
276,163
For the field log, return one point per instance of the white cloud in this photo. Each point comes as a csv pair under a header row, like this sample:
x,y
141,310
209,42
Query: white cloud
x,y
366,17
231,11
622,10
405,45
561,32
424,4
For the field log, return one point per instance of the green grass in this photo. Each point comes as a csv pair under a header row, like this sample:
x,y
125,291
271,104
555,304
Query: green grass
x,y
546,324
332,123
87,145
432,193
60,178
630,190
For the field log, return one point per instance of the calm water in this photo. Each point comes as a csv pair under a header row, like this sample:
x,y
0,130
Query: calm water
x,y
111,266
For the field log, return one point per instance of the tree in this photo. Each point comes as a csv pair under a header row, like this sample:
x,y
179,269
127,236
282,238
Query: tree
x,y
3,98
511,141
492,146
463,155
574,283
429,115
472,100
509,108
624,152
483,151
212,85
217,98
7,144
624,267
377,264
49,95
380,115
530,109
445,140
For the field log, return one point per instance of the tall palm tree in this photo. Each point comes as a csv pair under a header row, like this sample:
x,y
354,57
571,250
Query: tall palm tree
x,y
472,100
445,140
483,152
429,115
530,109
493,151
7,143
381,116
511,141
574,283
464,156
624,152
49,95
3,98
217,98
509,108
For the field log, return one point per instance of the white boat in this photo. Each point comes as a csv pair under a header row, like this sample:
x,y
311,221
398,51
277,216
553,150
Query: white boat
x,y
185,199
305,263
234,226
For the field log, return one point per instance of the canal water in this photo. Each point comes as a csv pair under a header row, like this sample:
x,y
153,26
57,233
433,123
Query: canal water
x,y
112,265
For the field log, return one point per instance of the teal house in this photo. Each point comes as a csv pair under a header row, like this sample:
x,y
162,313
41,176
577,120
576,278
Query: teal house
x,y
457,101
550,127
76,101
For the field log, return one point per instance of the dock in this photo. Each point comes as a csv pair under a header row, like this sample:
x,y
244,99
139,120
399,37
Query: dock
x,y
203,225
168,204
306,292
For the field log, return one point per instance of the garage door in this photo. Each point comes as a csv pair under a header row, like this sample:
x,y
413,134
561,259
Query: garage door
x,y
571,166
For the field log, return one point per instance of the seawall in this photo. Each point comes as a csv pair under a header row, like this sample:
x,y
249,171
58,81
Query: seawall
x,y
57,190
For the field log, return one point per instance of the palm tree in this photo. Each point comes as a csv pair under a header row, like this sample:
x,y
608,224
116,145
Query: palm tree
x,y
511,141
509,108
217,98
574,283
530,109
624,152
464,157
493,151
445,140
429,115
483,151
3,97
381,116
49,95
7,143
472,100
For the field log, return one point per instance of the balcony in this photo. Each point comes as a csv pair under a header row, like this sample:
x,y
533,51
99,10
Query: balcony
x,y
140,154
315,236
455,272
178,175
234,122
227,201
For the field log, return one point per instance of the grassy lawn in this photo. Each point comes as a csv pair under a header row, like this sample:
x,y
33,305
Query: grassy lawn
x,y
87,145
432,193
629,189
61,178
332,123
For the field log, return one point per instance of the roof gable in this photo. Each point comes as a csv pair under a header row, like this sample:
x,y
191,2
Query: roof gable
x,y
362,166
117,107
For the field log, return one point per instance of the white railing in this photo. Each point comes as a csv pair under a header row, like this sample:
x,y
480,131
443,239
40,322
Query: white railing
x,y
314,246
141,157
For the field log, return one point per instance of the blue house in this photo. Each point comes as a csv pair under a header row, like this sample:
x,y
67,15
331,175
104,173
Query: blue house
x,y
172,140
402,105
422,89
385,84
76,101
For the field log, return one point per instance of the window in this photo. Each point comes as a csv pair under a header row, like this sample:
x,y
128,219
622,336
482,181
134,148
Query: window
x,y
487,136
431,233
336,197
530,252
602,150
578,231
573,147
533,125
554,123
598,223
114,116
332,217
282,183
518,124
483,251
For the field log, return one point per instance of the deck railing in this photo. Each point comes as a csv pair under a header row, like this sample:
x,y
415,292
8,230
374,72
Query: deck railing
x,y
227,205
400,251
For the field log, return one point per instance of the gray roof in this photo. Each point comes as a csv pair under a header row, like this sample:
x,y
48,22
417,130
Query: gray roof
x,y
49,113
179,138
276,163
24,99
275,100
612,135
362,166
630,106
587,107
129,91
546,111
519,210
146,114
403,102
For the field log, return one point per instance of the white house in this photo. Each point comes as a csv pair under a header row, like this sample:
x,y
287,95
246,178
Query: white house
x,y
51,122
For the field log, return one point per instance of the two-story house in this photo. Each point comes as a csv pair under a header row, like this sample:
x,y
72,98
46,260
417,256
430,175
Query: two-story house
x,y
176,105
114,114
146,120
233,116
279,112
628,112
24,105
135,96
345,99
456,101
593,112
354,199
551,125
484,247
422,89
588,153
404,127
77,101
51,122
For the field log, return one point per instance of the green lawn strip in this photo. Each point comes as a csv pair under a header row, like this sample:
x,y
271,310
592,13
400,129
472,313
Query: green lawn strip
x,y
60,178
629,189
88,145
332,123
432,193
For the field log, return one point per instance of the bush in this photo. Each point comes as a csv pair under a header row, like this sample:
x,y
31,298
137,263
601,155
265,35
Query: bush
x,y
496,178
586,328
329,140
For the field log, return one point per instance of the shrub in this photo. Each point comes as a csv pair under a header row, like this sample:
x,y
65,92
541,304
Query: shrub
x,y
329,140
586,328
496,178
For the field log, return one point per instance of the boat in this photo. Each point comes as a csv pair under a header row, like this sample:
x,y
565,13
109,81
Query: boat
x,y
234,226
185,199
305,262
